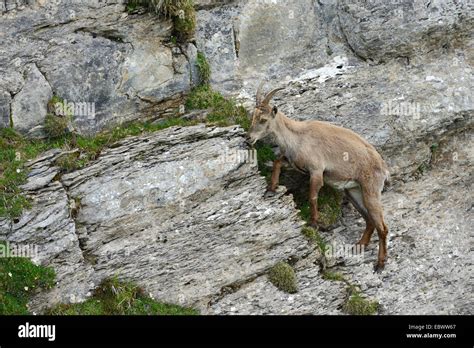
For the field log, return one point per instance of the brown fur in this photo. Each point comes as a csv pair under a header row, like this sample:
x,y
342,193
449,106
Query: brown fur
x,y
330,154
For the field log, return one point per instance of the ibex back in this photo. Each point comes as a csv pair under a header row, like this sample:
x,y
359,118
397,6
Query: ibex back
x,y
331,155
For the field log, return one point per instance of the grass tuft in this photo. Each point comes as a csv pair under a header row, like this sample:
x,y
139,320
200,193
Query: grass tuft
x,y
223,112
181,12
265,154
19,279
114,297
334,276
55,126
357,305
204,69
313,236
283,277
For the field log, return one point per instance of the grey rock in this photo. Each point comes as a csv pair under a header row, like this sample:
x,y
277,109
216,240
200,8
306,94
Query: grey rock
x,y
429,270
215,38
5,100
398,73
247,41
315,296
28,108
404,28
9,5
49,229
96,53
172,211
167,211
400,109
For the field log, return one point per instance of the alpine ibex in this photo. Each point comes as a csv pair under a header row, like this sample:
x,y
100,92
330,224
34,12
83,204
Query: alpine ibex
x,y
331,155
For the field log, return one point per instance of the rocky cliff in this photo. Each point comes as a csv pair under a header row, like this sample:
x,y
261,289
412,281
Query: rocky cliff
x,y
171,212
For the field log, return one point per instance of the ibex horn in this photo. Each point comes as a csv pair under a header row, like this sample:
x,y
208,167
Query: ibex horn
x,y
270,96
259,98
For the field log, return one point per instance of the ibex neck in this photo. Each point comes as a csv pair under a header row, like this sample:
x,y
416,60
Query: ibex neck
x,y
286,131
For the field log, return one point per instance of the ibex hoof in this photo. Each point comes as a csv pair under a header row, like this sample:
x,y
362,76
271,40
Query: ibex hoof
x,y
269,193
379,267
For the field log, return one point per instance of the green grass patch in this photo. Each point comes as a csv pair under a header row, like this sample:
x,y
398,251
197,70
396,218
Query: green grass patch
x,y
131,6
59,118
19,280
184,18
265,154
181,12
358,305
55,126
15,150
223,112
69,162
114,297
283,276
329,205
204,69
313,236
333,276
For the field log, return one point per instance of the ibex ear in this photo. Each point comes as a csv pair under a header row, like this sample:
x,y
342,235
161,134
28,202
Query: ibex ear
x,y
274,111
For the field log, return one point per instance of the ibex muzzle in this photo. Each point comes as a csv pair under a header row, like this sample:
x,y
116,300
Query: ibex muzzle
x,y
331,155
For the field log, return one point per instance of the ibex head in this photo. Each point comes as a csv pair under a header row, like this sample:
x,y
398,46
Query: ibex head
x,y
263,115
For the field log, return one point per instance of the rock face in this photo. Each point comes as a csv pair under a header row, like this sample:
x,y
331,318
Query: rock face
x,y
404,28
399,73
430,258
29,105
89,52
181,212
49,226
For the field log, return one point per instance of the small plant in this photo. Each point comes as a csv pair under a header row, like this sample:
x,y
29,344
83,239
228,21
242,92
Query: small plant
x,y
58,119
283,277
19,279
357,305
132,6
422,169
184,19
181,12
12,175
334,276
68,162
203,97
435,153
313,236
55,126
204,69
114,297
224,112
265,154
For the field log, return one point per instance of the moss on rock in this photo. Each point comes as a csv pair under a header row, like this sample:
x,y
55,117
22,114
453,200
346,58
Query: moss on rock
x,y
283,277
358,305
